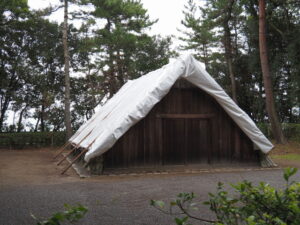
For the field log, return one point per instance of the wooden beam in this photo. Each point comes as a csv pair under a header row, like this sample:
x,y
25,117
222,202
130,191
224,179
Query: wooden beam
x,y
69,153
77,157
77,145
61,149
66,144
186,116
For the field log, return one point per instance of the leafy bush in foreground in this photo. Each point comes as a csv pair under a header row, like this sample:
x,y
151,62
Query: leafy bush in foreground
x,y
71,214
253,205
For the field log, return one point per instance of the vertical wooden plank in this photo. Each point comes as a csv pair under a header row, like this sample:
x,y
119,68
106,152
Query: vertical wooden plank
x,y
160,139
209,153
215,144
144,142
186,126
237,144
154,141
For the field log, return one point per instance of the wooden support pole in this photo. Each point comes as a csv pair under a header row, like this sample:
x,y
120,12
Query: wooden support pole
x,y
61,149
83,151
69,153
74,148
77,157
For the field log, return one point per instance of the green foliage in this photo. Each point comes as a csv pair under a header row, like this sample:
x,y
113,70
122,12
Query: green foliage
x,y
13,15
264,127
71,214
290,130
112,46
294,157
199,35
17,8
31,139
31,67
128,51
259,204
208,25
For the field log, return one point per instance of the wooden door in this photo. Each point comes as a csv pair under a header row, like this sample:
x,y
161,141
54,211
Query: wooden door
x,y
185,140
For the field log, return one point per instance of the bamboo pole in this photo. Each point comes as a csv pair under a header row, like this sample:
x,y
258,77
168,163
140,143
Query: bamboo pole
x,y
74,148
69,153
85,150
61,149
80,154
68,143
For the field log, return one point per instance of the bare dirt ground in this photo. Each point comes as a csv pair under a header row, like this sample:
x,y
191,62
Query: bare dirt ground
x,y
32,167
289,148
30,182
38,167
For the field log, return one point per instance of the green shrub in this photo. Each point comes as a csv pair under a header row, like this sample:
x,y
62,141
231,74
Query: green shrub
x,y
265,128
290,130
294,157
71,214
253,205
31,139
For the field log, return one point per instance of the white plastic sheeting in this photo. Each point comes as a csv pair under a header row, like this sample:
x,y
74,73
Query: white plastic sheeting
x,y
137,97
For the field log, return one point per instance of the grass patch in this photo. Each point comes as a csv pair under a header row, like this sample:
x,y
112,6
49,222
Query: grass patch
x,y
295,157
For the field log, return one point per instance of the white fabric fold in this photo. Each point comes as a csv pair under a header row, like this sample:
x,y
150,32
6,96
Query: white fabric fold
x,y
137,97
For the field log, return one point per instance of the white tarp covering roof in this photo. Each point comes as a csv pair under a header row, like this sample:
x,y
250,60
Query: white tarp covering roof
x,y
137,97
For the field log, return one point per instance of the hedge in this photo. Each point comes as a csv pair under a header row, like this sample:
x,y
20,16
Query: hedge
x,y
31,140
290,130
53,139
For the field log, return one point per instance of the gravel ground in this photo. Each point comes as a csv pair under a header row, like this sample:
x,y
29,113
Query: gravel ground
x,y
29,183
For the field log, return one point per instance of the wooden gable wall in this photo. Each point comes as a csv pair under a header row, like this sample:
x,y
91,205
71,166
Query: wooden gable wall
x,y
188,127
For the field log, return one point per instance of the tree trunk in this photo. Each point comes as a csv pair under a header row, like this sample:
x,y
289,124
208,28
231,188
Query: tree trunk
x,y
120,70
3,111
42,118
231,73
19,127
228,50
111,79
7,99
270,104
67,75
37,124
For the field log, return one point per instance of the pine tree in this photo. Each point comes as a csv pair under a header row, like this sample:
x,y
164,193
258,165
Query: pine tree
x,y
120,41
67,72
198,34
270,104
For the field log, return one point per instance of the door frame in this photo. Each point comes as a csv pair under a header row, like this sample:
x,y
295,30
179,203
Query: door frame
x,y
208,116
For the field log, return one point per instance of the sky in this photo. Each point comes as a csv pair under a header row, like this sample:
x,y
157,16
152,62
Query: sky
x,y
168,12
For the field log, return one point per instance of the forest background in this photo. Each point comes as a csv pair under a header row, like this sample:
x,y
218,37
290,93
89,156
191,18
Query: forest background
x,y
112,45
